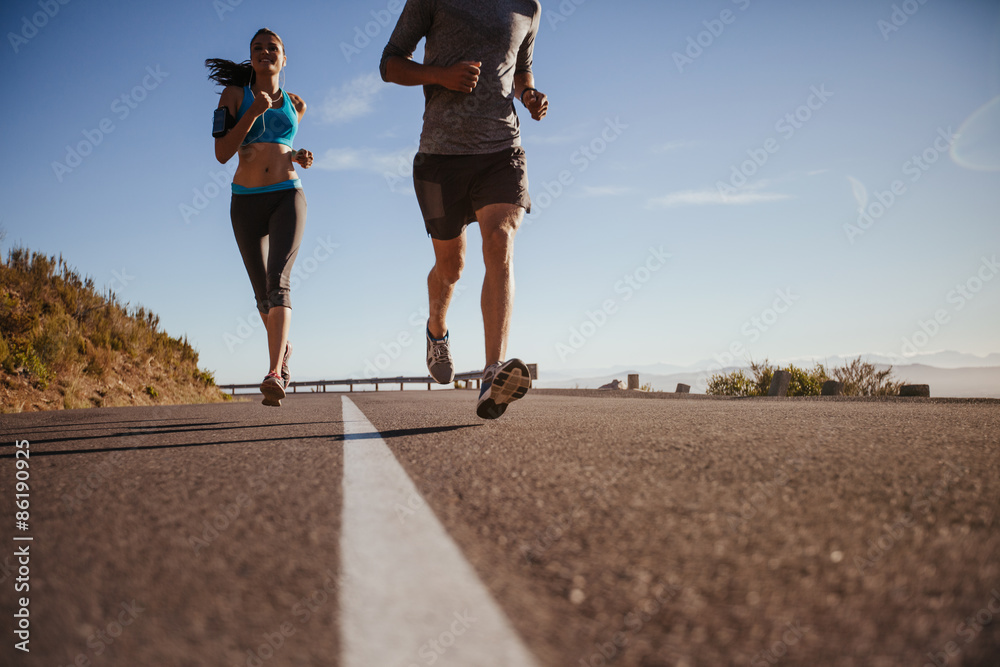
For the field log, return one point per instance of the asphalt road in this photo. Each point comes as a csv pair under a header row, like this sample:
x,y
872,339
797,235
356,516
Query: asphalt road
x,y
607,531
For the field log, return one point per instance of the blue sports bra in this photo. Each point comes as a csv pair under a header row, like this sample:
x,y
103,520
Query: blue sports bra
x,y
275,126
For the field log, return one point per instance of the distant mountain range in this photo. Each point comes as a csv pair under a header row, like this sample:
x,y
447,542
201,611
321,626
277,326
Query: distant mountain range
x,y
949,374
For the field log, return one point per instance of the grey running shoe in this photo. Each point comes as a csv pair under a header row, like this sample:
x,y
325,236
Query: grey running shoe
x,y
273,388
503,383
439,363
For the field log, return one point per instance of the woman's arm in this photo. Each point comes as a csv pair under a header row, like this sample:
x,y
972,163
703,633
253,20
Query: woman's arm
x,y
301,156
226,147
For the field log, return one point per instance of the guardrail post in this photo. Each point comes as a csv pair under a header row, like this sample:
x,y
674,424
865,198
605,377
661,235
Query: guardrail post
x,y
832,388
780,382
633,381
682,388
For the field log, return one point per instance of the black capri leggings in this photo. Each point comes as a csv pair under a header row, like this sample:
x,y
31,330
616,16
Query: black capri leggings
x,y
268,228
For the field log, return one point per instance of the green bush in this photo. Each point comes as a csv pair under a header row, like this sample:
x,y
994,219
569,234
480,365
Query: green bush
x,y
732,384
26,362
860,378
806,383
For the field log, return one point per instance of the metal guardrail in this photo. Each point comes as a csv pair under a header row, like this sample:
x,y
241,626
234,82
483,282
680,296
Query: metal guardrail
x,y
471,376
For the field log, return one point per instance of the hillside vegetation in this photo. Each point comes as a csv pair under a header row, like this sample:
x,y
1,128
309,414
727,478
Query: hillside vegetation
x,y
64,344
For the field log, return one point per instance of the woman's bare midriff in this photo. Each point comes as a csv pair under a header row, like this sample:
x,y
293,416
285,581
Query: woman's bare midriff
x,y
264,164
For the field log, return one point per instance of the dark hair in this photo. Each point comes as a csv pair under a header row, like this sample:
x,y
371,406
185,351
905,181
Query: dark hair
x,y
228,73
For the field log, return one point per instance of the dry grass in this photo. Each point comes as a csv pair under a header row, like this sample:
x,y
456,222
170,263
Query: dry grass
x,y
63,344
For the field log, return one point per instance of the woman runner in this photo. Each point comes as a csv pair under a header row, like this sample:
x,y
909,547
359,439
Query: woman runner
x,y
258,120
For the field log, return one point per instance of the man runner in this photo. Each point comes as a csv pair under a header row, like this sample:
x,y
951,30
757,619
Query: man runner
x,y
470,166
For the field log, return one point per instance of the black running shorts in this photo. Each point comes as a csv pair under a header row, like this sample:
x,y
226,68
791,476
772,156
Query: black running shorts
x,y
451,188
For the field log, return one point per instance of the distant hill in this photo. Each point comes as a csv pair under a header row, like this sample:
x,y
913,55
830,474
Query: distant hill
x,y
971,382
65,345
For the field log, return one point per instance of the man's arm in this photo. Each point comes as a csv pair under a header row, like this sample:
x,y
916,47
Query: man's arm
x,y
534,101
461,77
524,81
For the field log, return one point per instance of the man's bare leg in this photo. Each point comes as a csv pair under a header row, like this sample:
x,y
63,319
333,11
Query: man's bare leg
x,y
449,260
498,223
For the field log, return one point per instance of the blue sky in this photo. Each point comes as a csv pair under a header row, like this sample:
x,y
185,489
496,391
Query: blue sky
x,y
714,180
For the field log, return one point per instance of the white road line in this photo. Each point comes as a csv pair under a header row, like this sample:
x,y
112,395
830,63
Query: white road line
x,y
408,597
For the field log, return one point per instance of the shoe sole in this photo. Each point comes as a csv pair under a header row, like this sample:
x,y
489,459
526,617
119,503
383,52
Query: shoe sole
x,y
272,394
450,378
510,383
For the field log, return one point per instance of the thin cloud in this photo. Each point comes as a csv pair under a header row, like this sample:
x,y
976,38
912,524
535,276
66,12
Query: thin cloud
x,y
860,192
351,100
367,159
671,146
712,197
606,191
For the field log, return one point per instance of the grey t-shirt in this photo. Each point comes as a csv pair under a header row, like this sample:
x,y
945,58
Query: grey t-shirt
x,y
500,34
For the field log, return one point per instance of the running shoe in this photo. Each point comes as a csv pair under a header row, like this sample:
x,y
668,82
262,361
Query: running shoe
x,y
439,363
285,375
273,388
503,383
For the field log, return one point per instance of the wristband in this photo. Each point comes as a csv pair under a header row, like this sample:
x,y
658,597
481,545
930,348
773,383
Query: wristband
x,y
526,90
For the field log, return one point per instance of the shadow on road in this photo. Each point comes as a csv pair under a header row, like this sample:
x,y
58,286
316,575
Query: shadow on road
x,y
335,437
